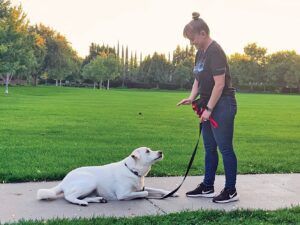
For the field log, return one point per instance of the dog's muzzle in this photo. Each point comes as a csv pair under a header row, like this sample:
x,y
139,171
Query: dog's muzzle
x,y
160,155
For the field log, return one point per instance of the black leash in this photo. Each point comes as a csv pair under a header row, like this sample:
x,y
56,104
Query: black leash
x,y
189,166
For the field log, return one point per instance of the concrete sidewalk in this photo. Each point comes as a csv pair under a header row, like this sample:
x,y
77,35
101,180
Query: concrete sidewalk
x,y
266,191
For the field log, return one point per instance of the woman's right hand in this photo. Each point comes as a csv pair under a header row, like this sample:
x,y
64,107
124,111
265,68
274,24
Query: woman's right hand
x,y
186,101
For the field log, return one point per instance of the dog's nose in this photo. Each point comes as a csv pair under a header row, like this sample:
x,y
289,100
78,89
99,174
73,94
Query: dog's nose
x,y
160,152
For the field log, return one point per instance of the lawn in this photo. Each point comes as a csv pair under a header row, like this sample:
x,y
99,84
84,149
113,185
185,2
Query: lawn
x,y
47,131
254,217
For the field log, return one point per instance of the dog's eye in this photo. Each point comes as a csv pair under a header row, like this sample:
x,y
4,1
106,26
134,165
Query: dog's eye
x,y
147,151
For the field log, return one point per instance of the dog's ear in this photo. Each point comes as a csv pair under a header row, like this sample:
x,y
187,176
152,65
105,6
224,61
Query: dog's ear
x,y
135,156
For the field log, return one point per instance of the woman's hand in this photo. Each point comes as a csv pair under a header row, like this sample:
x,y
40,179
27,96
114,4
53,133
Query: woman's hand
x,y
186,101
205,116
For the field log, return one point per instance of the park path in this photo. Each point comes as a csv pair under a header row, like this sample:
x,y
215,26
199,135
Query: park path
x,y
264,191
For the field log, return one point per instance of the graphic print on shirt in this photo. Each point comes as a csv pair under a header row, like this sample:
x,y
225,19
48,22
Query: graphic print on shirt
x,y
199,66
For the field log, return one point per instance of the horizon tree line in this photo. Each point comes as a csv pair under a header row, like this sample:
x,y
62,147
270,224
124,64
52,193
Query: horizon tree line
x,y
38,54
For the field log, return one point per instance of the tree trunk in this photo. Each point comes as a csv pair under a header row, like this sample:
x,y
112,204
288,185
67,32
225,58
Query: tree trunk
x,y
94,85
101,84
34,83
123,80
108,85
60,83
56,83
6,83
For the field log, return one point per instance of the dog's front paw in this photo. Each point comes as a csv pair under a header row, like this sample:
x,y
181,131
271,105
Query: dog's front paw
x,y
100,200
103,200
83,204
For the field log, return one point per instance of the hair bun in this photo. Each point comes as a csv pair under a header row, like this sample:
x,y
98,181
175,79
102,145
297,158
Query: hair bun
x,y
195,15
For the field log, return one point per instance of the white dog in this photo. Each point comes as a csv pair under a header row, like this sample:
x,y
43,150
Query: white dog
x,y
123,180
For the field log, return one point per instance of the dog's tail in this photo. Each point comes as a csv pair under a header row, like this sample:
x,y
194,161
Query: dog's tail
x,y
51,193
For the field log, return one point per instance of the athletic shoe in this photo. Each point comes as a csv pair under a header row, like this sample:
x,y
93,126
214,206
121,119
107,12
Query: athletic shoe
x,y
202,191
226,196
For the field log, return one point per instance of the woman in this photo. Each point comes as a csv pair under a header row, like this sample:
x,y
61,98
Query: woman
x,y
213,83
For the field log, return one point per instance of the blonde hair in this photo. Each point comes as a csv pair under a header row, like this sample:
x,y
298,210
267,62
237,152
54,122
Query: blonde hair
x,y
196,25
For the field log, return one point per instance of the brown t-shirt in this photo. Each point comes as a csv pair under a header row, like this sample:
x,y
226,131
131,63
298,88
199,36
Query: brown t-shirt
x,y
212,62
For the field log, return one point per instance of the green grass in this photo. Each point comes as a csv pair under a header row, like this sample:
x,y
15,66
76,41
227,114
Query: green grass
x,y
257,217
47,131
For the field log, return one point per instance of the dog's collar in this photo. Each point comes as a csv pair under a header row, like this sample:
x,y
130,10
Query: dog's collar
x,y
132,171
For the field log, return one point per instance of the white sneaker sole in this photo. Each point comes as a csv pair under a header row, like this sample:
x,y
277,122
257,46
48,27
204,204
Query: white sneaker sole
x,y
211,195
235,198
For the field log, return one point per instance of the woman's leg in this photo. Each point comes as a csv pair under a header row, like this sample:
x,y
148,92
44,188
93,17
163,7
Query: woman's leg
x,y
224,114
211,154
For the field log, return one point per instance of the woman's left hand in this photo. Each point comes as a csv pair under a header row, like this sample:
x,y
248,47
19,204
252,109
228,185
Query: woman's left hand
x,y
205,116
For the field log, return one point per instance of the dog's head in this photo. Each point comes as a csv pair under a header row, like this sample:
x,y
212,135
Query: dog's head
x,y
145,156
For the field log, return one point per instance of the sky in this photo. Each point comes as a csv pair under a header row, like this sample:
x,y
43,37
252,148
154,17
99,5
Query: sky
x,y
156,25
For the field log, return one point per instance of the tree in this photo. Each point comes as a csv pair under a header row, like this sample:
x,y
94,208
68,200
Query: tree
x,y
178,55
103,67
183,73
133,68
182,57
95,71
256,53
296,69
96,50
257,57
60,60
282,69
143,68
126,66
63,57
111,68
16,51
159,70
240,69
39,51
4,8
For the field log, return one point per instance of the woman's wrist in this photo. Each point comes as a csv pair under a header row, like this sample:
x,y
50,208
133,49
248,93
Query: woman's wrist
x,y
209,109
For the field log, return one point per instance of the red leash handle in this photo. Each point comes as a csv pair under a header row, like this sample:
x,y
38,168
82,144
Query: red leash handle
x,y
213,122
199,112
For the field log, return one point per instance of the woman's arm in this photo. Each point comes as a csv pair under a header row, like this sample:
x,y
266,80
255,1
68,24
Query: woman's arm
x,y
193,95
194,91
215,95
217,91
